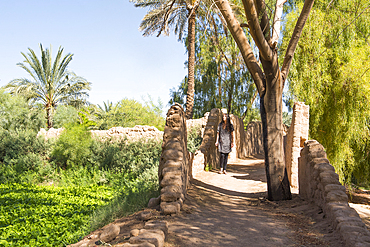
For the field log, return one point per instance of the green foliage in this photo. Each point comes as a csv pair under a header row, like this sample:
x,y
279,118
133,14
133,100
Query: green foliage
x,y
221,78
194,138
129,112
287,118
22,156
133,199
131,158
16,114
34,215
72,149
82,198
51,84
252,115
331,73
65,115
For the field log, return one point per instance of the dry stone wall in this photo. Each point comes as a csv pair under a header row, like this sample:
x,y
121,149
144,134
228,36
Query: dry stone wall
x,y
318,183
174,163
139,132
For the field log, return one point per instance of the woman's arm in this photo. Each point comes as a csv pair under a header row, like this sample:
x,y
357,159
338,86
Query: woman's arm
x,y
216,139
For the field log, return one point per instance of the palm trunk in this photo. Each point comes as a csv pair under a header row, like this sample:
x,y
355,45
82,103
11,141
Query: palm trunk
x,y
49,117
191,64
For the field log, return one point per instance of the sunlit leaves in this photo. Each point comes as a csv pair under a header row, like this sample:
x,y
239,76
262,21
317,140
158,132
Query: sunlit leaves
x,y
330,72
46,215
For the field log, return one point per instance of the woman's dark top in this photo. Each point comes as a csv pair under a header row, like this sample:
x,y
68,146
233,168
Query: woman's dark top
x,y
224,139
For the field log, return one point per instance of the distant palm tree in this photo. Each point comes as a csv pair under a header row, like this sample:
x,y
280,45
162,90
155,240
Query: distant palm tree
x,y
51,83
176,14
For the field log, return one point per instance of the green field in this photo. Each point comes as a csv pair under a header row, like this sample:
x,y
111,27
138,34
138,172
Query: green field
x,y
32,215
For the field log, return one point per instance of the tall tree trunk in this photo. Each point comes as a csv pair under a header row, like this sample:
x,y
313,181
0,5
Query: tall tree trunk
x,y
49,117
191,64
278,186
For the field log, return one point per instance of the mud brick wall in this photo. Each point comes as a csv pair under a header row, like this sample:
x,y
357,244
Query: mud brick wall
x,y
208,148
319,183
173,171
252,144
296,136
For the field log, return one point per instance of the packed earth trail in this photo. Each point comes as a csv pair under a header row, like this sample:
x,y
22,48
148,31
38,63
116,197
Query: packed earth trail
x,y
232,210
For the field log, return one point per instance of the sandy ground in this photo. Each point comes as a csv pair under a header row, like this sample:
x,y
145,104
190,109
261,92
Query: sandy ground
x,y
232,210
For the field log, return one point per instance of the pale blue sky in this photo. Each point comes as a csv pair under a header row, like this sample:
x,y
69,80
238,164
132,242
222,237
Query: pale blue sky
x,y
103,35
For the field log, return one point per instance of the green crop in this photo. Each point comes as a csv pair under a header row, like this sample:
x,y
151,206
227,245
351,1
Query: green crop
x,y
32,215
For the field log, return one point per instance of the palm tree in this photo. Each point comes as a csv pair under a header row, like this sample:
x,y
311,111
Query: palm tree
x,y
51,83
166,14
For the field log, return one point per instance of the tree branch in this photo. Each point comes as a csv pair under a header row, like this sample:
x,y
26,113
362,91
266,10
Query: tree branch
x,y
255,27
295,37
244,47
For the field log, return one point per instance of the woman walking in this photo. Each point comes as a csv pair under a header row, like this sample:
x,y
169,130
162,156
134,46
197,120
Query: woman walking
x,y
225,140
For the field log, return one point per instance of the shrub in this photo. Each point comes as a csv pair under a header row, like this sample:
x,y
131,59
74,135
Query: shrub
x,y
72,149
194,138
65,115
131,158
21,153
16,114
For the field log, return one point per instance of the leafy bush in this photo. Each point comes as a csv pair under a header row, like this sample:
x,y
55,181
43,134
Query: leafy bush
x,y
72,149
128,113
16,114
194,138
65,115
131,158
21,153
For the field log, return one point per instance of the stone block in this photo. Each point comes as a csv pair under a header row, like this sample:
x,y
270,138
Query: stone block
x,y
146,215
317,154
170,179
329,178
332,187
170,196
169,208
173,154
110,233
174,144
134,232
157,224
155,237
173,163
171,189
349,221
336,196
154,202
174,170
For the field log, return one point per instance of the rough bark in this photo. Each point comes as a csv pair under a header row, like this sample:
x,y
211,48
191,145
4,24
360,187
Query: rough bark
x,y
191,64
49,117
271,114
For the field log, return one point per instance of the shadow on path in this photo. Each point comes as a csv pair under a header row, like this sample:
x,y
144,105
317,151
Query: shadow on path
x,y
231,210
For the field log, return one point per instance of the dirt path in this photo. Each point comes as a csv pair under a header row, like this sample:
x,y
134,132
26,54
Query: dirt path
x,y
231,210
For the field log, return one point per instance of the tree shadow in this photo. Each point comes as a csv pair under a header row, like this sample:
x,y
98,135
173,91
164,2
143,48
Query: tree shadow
x,y
228,192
